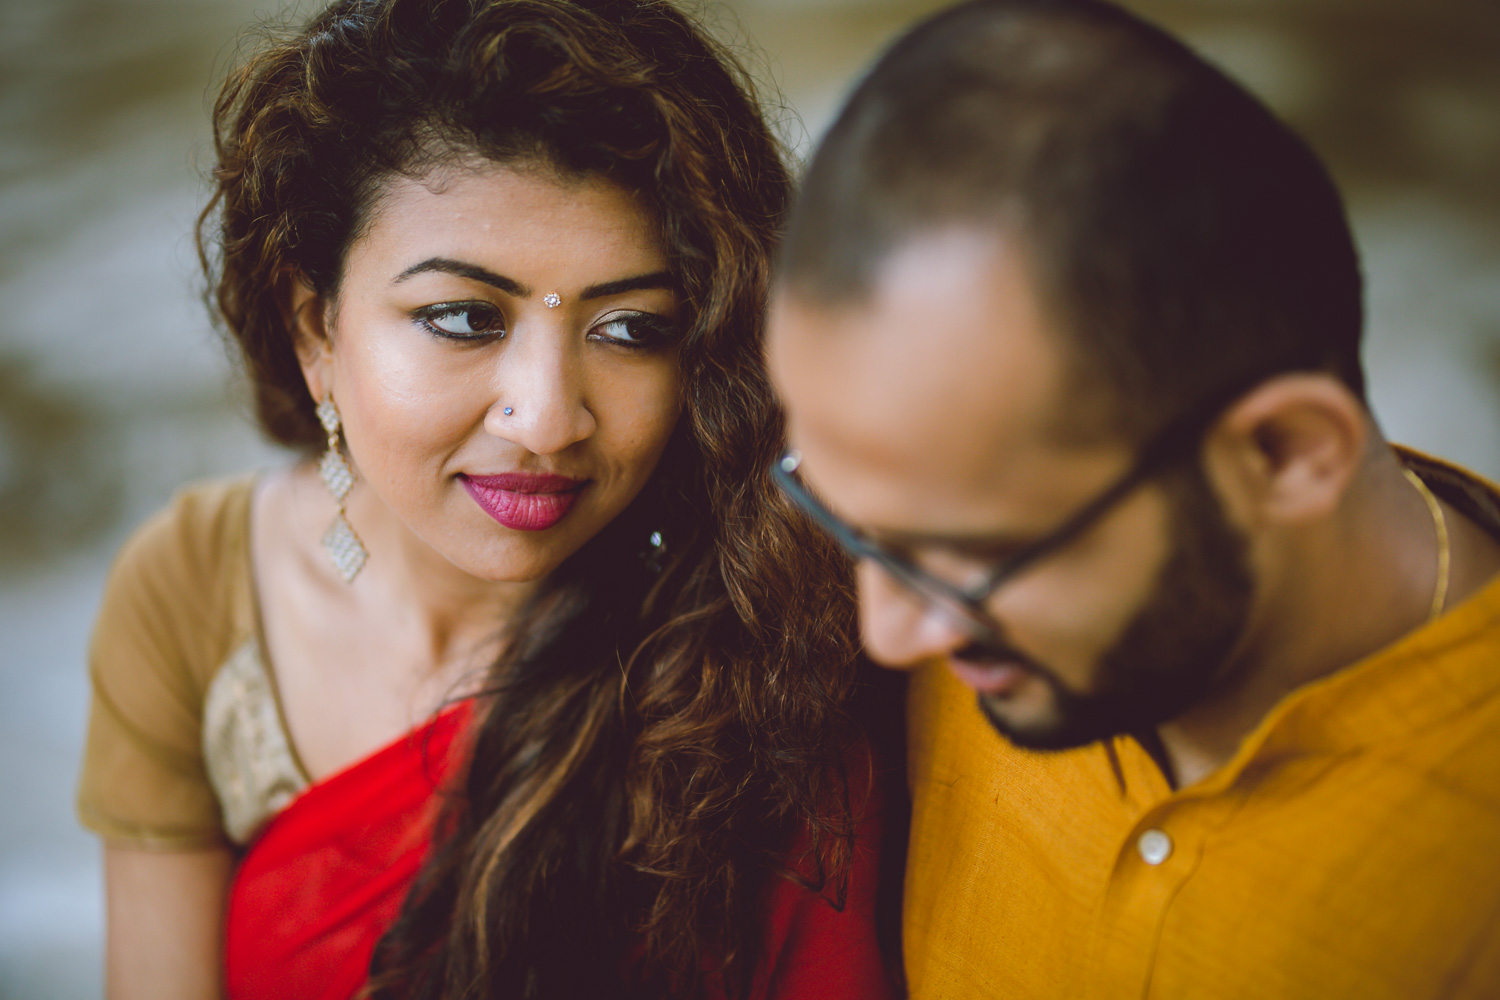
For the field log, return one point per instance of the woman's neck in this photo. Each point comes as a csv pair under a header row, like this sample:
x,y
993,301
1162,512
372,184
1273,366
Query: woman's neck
x,y
411,585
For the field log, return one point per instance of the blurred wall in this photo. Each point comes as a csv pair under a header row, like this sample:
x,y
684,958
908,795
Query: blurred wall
x,y
114,389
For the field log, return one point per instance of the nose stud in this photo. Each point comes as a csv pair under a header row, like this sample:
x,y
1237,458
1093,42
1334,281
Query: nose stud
x,y
508,410
552,300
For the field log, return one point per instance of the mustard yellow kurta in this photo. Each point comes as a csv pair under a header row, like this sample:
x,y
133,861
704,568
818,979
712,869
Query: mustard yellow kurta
x,y
1350,849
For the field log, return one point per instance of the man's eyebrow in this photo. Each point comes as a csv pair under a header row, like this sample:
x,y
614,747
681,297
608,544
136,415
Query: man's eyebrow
x,y
656,279
473,272
974,544
963,544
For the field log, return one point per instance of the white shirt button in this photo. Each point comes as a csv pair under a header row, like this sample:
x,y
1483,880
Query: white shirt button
x,y
1155,847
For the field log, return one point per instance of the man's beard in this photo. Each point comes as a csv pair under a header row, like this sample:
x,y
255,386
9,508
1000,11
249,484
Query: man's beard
x,y
1173,655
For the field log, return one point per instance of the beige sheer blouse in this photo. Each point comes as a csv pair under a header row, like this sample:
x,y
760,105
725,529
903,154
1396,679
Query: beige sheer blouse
x,y
187,746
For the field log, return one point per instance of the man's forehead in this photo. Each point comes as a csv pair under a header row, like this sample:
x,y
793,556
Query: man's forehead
x,y
946,374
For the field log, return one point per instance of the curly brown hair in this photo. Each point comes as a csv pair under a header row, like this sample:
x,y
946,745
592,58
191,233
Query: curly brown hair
x,y
659,730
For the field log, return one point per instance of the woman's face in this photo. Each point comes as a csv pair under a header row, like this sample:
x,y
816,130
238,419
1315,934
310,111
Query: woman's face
x,y
503,353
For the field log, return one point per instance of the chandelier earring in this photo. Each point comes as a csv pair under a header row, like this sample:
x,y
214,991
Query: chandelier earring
x,y
340,542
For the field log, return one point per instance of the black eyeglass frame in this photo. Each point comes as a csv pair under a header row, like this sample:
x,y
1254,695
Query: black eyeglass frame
x,y
1179,439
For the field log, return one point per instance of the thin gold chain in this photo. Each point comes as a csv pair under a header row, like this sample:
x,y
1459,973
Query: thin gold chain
x,y
1440,523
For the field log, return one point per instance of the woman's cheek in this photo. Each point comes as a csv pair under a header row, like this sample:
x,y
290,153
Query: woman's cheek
x,y
404,418
418,387
658,417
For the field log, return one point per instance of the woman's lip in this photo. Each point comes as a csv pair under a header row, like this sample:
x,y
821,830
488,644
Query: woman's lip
x,y
522,501
994,679
527,482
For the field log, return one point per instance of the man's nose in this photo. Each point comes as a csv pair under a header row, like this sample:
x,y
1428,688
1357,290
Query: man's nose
x,y
899,628
541,393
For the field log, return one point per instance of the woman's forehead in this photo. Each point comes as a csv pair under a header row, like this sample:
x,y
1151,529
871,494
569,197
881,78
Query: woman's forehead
x,y
527,219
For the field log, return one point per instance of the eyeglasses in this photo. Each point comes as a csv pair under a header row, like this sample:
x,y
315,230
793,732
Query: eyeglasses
x,y
965,604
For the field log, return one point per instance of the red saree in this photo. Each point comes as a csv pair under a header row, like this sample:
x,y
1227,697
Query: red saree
x,y
328,875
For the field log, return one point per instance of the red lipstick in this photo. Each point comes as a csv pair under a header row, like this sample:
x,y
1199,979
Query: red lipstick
x,y
524,501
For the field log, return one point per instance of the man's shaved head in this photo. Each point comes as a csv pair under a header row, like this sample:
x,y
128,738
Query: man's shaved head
x,y
1180,235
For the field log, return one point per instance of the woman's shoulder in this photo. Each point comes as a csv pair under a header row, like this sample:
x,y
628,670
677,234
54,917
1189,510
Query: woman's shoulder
x,y
180,584
195,530
174,607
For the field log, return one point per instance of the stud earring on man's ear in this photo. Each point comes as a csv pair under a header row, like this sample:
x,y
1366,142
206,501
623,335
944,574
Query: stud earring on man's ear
x,y
339,541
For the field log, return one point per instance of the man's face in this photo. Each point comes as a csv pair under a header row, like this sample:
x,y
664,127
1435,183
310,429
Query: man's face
x,y
938,417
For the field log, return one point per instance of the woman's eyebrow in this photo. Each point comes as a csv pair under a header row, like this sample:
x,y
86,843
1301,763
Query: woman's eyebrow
x,y
656,279
473,272
445,265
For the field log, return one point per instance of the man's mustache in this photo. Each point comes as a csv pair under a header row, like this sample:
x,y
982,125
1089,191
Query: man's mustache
x,y
985,652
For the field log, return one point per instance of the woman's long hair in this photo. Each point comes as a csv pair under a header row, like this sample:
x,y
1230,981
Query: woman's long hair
x,y
667,720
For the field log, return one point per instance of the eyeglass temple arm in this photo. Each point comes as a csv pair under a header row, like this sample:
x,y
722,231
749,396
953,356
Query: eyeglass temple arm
x,y
1170,442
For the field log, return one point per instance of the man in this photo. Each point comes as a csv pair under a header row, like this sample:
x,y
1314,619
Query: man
x,y
1068,331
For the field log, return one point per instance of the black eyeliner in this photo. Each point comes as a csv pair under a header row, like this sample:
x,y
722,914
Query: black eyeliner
x,y
424,315
658,331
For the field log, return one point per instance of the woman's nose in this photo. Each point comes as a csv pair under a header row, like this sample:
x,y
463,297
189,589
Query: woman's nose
x,y
541,397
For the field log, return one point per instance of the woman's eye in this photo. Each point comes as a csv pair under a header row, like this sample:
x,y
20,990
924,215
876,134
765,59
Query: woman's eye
x,y
632,329
464,321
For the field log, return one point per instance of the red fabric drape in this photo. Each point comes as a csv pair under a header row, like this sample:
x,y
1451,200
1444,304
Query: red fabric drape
x,y
812,951
328,875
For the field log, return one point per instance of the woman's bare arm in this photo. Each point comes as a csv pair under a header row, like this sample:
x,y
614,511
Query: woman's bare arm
x,y
165,927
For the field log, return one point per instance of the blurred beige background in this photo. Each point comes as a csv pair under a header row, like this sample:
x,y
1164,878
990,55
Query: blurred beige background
x,y
114,389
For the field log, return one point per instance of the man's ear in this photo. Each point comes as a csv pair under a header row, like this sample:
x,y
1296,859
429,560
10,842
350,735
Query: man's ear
x,y
1287,451
306,316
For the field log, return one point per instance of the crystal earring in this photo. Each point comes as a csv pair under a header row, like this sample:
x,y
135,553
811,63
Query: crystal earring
x,y
339,541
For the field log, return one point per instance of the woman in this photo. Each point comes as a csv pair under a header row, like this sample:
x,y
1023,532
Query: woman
x,y
502,262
